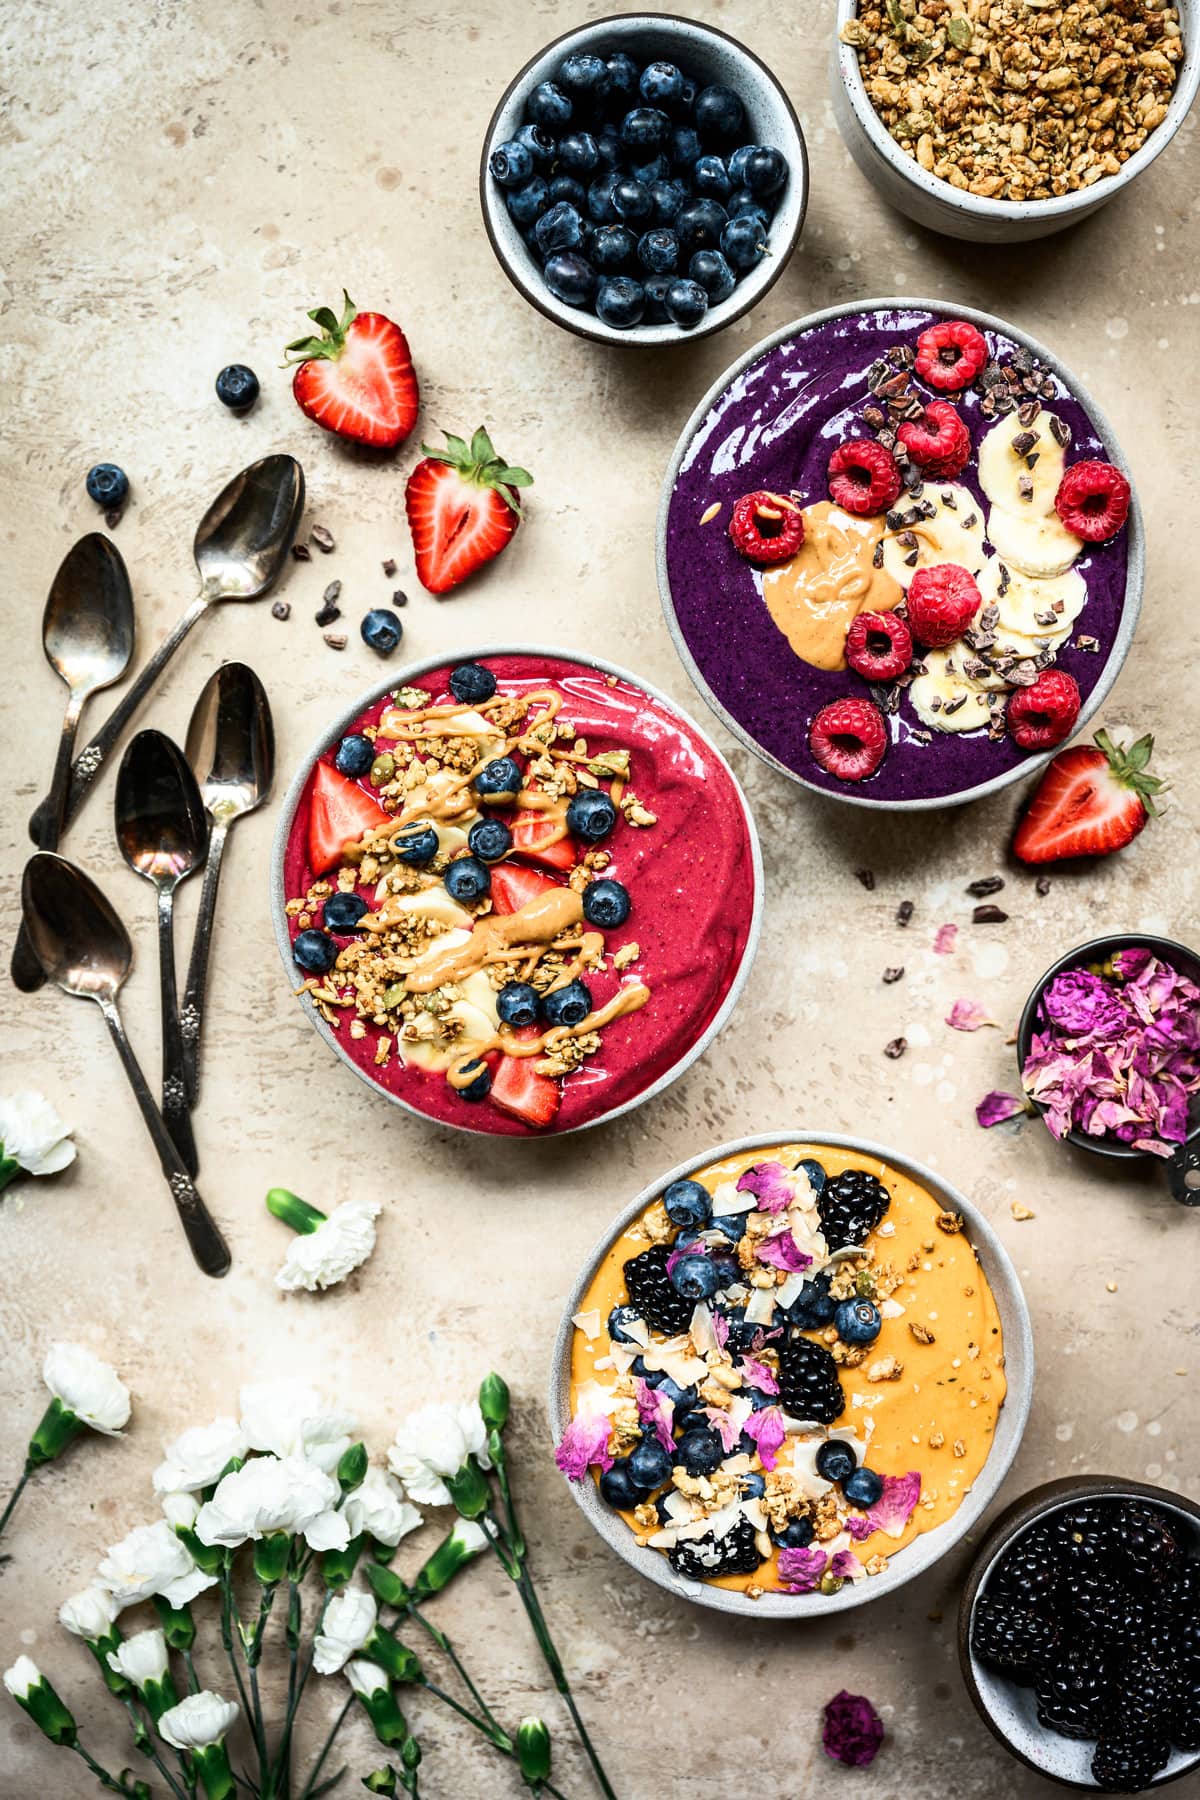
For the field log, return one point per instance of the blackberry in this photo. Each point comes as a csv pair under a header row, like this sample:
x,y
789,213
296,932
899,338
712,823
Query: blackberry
x,y
1111,1615
1028,1577
1011,1640
850,1206
1142,1697
703,1558
1184,1726
1084,1537
1072,1695
1149,1547
1126,1765
650,1290
808,1382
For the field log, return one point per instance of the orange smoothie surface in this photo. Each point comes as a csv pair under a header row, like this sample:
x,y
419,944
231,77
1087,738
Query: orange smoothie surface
x,y
923,1397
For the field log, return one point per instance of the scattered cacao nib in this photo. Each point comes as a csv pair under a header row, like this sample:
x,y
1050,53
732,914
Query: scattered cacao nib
x,y
949,501
1031,461
888,439
894,520
1084,642
1024,672
1060,431
281,609
935,703
389,566
1025,440
952,706
1023,359
867,877
112,517
322,538
902,356
905,911
987,406
1047,389
892,975
1049,617
990,376
1004,402
336,640
1012,375
1059,606
896,1048
877,556
1028,412
887,699
872,418
987,884
921,737
988,915
970,522
894,385
975,667
917,667
332,592
878,373
399,597
996,729
1042,885
327,615
911,560
1005,582
916,490
301,552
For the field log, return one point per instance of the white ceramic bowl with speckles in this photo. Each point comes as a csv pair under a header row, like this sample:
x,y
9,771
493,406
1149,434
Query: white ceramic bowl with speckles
x,y
924,1550
939,206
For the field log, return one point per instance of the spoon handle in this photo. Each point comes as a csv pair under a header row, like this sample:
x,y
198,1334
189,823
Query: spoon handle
x,y
175,1111
203,1235
90,761
192,1015
25,968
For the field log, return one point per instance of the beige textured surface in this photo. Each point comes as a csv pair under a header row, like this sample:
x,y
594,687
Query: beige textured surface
x,y
181,182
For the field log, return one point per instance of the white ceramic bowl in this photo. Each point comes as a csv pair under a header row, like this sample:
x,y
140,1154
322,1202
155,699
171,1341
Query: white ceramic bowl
x,y
930,1546
934,203
708,55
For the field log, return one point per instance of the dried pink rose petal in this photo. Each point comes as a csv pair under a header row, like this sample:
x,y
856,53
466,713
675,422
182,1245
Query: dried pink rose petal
x,y
699,1248
859,1526
845,1566
771,1184
783,1252
655,1409
759,1375
997,1106
584,1443
967,1015
894,1507
853,1730
944,942
801,1570
766,1428
725,1428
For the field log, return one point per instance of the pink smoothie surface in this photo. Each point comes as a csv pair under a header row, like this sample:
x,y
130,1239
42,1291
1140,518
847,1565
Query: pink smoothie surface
x,y
690,878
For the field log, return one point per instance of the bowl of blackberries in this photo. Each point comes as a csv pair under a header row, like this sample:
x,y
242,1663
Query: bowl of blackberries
x,y
1079,1633
644,179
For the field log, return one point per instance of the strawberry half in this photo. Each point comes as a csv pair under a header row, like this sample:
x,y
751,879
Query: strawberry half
x,y
514,887
1089,802
339,814
520,1090
462,509
357,379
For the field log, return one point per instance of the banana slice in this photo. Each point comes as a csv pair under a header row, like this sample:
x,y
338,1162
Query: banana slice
x,y
434,903
943,698
1037,546
954,534
474,1018
1020,467
1029,605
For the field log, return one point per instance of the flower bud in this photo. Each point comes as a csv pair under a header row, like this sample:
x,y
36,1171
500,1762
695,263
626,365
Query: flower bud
x,y
352,1467
33,1693
494,1401
463,1545
533,1749
387,1585
381,1781
271,1557
469,1491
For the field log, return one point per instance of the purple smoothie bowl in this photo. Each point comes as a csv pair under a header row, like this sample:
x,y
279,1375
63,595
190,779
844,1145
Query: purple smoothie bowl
x,y
771,421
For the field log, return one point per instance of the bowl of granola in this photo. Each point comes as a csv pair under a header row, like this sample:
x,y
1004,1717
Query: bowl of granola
x,y
517,892
1007,122
791,1376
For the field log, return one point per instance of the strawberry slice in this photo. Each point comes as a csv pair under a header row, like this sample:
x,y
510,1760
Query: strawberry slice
x,y
529,829
514,887
518,1089
462,507
1089,802
339,814
357,379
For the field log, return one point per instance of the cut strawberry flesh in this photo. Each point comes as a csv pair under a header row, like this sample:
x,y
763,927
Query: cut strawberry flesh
x,y
340,813
514,887
532,837
517,1088
456,525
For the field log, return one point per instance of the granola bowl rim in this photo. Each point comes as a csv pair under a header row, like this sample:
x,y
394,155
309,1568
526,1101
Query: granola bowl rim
x,y
406,676
928,1547
1135,566
976,209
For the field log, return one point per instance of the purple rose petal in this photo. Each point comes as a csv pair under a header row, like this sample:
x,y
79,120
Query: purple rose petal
x,y
853,1730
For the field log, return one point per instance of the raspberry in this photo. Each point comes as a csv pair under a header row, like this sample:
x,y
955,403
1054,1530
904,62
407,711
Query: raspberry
x,y
766,527
848,738
1093,500
863,477
942,601
950,354
938,441
1044,714
878,646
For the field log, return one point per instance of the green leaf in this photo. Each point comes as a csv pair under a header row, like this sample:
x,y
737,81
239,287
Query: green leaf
x,y
326,318
456,448
514,477
481,447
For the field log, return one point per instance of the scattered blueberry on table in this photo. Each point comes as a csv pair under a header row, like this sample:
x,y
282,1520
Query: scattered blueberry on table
x,y
381,630
237,387
638,192
108,485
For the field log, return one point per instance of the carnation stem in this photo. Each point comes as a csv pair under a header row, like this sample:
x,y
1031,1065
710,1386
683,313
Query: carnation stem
x,y
251,1712
145,1743
102,1775
447,1648
190,1666
311,1783
508,1748
12,1501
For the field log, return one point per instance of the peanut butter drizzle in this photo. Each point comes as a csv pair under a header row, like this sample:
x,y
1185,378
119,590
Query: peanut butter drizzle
x,y
494,937
816,595
462,1073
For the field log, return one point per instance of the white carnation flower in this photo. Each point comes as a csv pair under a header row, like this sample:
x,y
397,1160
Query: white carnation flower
x,y
288,1418
378,1507
197,1457
87,1387
152,1560
91,1614
22,1677
348,1623
435,1441
366,1678
180,1510
322,1258
33,1136
141,1658
200,1720
272,1494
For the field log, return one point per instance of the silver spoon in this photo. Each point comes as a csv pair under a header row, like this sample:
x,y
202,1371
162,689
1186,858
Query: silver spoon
x,y
87,634
163,834
231,748
241,543
84,948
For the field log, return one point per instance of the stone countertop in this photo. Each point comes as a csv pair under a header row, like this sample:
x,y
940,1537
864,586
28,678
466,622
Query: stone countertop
x,y
182,183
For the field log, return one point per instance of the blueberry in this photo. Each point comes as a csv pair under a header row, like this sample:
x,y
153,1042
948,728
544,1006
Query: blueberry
x,y
695,1277
797,1534
354,756
489,840
585,76
618,1489
687,303
668,197
417,845
661,84
548,105
699,224
481,1086
714,274
609,148
718,112
765,171
612,248
742,201
591,815
621,302
863,1488
561,228
381,630
571,278
539,144
744,1338
835,1461
511,163
656,299
606,904
517,1004
599,199
315,952
645,129
753,1486
499,779
732,1225
813,1305
658,251
857,1322
649,1465
526,205
816,1174
686,147
709,176
688,97
471,683
467,879
108,485
568,1005
577,152
700,1451
632,199
744,241
620,1318
678,1396
565,187
622,76
692,1418
237,387
737,160
727,1271
342,912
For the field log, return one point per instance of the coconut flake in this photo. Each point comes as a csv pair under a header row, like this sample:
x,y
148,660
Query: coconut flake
x,y
760,1308
729,1199
588,1322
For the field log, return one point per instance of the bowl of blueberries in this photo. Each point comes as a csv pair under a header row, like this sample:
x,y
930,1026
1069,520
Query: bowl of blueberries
x,y
644,179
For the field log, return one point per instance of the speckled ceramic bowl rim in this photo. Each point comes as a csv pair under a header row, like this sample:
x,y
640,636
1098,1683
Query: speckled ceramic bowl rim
x,y
1099,950
748,292
1038,1503
406,677
1134,573
1064,206
930,1546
